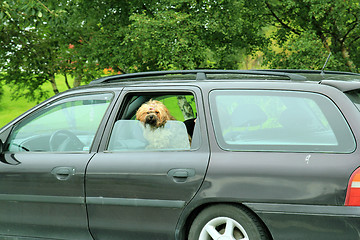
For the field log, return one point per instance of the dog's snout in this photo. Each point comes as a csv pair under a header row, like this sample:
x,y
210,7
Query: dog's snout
x,y
151,119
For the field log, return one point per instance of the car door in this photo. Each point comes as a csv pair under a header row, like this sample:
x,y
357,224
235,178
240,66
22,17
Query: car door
x,y
289,155
42,169
140,194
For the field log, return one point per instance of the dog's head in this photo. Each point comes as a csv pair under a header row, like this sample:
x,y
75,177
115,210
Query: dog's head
x,y
154,114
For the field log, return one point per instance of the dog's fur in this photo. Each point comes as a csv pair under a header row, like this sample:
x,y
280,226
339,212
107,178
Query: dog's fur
x,y
153,114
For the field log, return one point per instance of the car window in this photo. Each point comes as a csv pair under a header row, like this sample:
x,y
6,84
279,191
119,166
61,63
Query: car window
x,y
257,120
354,96
67,125
155,122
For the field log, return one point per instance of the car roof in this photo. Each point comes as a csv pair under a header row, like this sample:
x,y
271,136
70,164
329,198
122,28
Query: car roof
x,y
344,81
198,75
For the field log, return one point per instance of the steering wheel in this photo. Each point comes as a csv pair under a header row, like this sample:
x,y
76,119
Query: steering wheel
x,y
65,140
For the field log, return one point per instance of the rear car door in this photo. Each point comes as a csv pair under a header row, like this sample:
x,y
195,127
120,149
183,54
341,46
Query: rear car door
x,y
289,155
135,193
42,169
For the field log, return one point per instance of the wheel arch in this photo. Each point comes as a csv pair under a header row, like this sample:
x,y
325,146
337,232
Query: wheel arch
x,y
192,211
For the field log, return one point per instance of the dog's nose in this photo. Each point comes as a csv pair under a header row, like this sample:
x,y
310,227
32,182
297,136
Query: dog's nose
x,y
150,119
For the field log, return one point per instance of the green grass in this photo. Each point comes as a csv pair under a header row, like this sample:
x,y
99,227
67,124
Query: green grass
x,y
172,104
10,108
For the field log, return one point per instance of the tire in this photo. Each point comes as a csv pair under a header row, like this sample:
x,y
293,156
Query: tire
x,y
226,222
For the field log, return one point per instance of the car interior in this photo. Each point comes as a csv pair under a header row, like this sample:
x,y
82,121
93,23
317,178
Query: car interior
x,y
127,133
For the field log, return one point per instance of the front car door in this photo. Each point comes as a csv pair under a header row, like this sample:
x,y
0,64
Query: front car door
x,y
138,192
42,169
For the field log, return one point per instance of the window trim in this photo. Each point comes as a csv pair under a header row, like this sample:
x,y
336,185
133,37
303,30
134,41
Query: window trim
x,y
123,103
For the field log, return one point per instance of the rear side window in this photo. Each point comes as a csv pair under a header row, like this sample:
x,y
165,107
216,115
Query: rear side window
x,y
354,96
259,120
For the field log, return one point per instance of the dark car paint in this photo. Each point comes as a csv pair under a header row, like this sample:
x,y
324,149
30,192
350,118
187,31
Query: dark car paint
x,y
143,183
287,191
285,180
36,202
313,221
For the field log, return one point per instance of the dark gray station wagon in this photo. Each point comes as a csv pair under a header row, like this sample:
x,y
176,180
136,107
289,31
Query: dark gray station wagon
x,y
251,155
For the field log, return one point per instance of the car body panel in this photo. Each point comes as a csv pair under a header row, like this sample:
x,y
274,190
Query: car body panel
x,y
314,221
37,202
140,194
42,193
137,197
261,179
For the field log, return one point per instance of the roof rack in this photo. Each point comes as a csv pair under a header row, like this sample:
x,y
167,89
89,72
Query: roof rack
x,y
303,71
200,75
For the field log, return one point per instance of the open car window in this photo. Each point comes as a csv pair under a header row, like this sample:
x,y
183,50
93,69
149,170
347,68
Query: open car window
x,y
171,129
133,135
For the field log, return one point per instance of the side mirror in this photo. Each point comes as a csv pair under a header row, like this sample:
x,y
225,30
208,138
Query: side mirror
x,y
4,136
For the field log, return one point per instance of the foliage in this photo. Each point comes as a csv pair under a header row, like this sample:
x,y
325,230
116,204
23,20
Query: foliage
x,y
170,34
11,108
306,31
189,34
79,38
34,40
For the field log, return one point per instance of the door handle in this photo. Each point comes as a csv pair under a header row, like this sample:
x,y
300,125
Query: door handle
x,y
180,175
63,173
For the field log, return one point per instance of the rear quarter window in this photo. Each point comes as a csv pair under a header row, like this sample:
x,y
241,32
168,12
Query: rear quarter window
x,y
354,96
291,121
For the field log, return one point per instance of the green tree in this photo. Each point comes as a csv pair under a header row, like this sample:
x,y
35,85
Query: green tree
x,y
171,34
41,38
34,45
191,34
304,32
79,38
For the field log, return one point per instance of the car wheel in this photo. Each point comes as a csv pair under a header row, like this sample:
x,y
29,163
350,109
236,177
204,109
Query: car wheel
x,y
226,222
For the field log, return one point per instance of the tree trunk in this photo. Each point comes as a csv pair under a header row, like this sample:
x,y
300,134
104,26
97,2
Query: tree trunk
x,y
185,107
66,81
348,62
77,81
53,84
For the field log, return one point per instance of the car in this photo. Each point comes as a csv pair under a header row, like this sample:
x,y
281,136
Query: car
x,y
243,154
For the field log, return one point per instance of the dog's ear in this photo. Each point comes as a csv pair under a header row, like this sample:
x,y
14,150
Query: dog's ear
x,y
171,117
140,113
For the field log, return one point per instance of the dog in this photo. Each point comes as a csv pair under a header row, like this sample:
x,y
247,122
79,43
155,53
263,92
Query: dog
x,y
153,115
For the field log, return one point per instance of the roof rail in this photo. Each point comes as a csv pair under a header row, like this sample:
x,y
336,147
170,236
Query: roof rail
x,y
200,74
304,71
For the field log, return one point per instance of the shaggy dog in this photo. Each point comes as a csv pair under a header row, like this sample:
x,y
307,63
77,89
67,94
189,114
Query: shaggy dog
x,y
154,115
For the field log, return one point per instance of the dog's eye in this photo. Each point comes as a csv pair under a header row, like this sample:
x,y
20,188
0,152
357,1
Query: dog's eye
x,y
157,112
148,113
